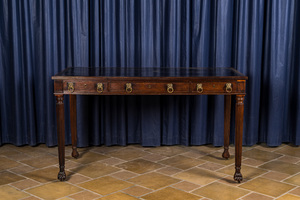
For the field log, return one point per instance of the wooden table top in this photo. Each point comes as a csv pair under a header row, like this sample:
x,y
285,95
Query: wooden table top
x,y
146,72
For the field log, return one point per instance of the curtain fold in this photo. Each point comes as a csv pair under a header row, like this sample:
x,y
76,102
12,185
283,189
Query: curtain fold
x,y
40,38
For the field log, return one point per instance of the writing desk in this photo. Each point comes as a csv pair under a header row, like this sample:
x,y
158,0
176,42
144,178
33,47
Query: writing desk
x,y
150,81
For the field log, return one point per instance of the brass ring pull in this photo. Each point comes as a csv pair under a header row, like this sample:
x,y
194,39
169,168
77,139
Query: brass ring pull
x,y
71,87
128,87
170,88
99,87
228,87
199,88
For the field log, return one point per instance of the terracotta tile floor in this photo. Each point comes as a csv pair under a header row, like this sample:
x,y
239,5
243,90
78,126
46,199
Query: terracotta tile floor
x,y
135,172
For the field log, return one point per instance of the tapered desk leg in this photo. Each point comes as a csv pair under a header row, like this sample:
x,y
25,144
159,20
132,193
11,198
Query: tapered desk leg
x,y
60,117
239,115
73,119
227,110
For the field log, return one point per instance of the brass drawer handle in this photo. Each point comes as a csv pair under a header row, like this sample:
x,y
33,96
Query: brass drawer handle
x,y
99,87
228,87
70,87
199,88
128,87
170,88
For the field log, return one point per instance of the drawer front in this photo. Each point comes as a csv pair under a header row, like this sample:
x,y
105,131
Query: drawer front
x,y
214,87
148,88
105,87
85,87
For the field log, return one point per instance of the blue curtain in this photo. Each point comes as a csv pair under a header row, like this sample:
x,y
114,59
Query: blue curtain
x,y
40,38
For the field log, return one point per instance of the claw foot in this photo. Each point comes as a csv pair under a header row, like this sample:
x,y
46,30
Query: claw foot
x,y
238,177
75,153
226,154
61,176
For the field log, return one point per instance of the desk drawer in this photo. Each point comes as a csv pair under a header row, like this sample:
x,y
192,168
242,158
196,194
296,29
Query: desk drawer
x,y
85,87
214,87
149,87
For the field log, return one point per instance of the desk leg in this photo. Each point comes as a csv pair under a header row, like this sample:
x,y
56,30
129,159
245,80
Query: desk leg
x,y
239,115
60,117
227,110
73,119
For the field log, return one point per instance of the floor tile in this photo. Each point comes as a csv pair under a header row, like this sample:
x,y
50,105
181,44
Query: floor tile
x,y
10,193
166,150
58,190
253,162
217,191
85,195
169,170
205,149
186,186
277,176
106,149
247,171
105,185
280,166
21,169
289,197
124,175
36,161
33,198
128,154
43,175
137,191
296,191
211,166
95,170
265,147
289,150
7,163
217,158
18,156
88,157
75,178
31,151
71,164
112,161
170,194
261,155
118,196
294,180
289,159
7,177
256,196
153,180
229,180
193,154
199,176
154,157
139,166
24,184
266,186
181,162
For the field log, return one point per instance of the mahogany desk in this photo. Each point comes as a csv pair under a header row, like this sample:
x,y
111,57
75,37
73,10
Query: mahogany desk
x,y
150,81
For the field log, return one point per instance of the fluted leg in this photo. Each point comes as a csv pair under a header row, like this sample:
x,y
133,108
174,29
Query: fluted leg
x,y
239,116
227,112
73,119
60,117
